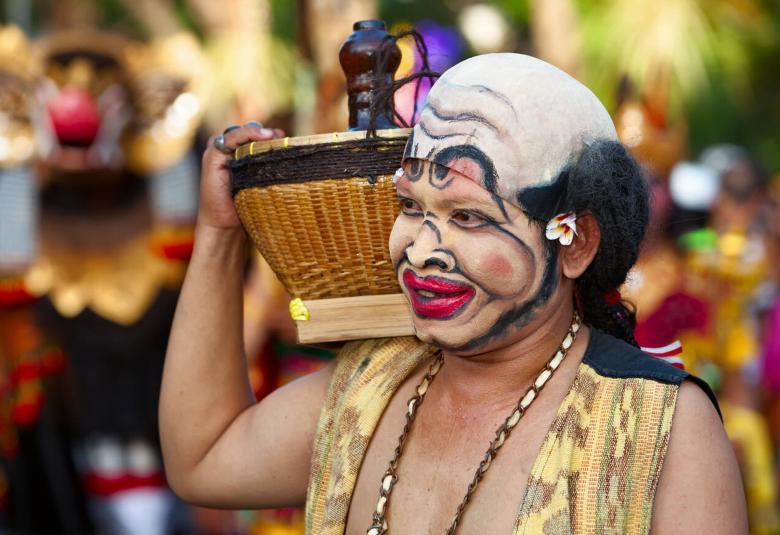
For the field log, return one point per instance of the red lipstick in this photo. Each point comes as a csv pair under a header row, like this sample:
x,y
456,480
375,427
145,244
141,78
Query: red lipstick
x,y
436,297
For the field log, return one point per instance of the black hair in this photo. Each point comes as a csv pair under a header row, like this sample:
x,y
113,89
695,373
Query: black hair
x,y
606,181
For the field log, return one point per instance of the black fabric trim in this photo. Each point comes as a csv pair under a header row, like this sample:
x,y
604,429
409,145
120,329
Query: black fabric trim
x,y
615,358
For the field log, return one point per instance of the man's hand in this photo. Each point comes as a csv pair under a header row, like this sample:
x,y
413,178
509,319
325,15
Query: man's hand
x,y
216,203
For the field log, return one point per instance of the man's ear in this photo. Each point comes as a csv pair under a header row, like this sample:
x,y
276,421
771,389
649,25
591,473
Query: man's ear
x,y
576,257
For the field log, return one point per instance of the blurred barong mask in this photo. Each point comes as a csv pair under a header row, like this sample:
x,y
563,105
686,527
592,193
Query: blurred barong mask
x,y
110,103
511,123
84,101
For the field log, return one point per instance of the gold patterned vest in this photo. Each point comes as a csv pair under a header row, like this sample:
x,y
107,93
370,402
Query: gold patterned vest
x,y
597,469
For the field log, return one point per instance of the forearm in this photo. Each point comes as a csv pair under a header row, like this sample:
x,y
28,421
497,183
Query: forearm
x,y
205,385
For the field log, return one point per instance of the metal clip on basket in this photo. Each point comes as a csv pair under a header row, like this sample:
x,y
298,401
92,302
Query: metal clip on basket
x,y
320,209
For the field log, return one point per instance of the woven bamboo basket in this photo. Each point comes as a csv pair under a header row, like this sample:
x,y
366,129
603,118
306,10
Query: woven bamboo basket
x,y
320,210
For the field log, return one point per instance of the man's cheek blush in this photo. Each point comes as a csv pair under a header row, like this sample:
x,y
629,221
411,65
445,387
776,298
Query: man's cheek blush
x,y
498,265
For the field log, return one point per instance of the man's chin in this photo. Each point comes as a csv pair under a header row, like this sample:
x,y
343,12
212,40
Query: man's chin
x,y
450,338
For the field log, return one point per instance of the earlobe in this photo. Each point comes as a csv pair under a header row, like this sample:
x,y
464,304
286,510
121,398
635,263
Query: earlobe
x,y
576,257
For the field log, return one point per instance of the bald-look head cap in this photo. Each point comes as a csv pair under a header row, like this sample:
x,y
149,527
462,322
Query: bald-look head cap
x,y
513,124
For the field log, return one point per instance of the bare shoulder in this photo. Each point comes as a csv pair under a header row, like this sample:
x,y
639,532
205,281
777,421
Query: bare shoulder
x,y
311,388
296,405
700,490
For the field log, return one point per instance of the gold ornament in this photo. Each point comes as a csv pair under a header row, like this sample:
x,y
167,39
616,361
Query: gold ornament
x,y
118,284
168,78
18,74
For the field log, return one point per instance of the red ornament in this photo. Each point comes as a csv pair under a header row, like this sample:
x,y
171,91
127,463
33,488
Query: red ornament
x,y
52,361
27,370
25,413
75,117
13,293
177,251
105,485
612,297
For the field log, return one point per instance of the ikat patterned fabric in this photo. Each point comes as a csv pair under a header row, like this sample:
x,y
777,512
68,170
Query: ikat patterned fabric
x,y
597,469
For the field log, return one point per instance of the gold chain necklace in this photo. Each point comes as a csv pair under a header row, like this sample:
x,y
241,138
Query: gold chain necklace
x,y
379,522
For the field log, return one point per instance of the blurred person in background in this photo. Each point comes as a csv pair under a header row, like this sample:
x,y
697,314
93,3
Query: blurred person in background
x,y
715,267
770,324
696,282
36,469
720,225
114,122
737,267
658,144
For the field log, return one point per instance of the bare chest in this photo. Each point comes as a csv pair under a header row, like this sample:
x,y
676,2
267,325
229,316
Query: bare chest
x,y
441,456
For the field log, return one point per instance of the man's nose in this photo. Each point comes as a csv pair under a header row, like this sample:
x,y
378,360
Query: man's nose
x,y
427,249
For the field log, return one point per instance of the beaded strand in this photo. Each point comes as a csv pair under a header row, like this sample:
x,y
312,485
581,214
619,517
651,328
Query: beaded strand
x,y
379,521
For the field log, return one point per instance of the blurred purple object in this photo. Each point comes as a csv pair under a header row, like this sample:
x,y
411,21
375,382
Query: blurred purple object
x,y
445,47
771,349
444,43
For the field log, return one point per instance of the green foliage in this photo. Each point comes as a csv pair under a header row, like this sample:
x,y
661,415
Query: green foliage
x,y
411,11
518,12
284,14
113,15
719,55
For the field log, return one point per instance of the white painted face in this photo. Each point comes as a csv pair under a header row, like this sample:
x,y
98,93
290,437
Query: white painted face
x,y
474,273
508,122
482,168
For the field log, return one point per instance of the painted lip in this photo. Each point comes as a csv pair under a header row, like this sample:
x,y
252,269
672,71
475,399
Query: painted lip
x,y
448,298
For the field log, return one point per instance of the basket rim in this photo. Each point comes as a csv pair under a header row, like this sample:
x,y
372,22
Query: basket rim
x,y
259,147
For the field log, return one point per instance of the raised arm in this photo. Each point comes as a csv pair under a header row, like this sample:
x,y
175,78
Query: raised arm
x,y
220,448
700,490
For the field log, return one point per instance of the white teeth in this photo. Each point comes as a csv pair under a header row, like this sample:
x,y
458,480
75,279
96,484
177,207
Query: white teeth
x,y
426,293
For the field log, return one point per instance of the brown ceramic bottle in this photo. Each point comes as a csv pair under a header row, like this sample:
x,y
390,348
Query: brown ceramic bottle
x,y
359,57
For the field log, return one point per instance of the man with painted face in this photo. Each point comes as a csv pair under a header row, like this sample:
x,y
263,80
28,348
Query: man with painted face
x,y
522,405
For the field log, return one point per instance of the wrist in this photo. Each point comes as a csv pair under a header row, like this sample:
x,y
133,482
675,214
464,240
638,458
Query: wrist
x,y
218,241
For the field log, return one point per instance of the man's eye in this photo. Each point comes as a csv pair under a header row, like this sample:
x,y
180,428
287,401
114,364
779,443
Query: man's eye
x,y
408,206
468,219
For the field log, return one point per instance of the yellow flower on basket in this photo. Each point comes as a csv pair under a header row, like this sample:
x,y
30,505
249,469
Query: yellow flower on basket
x,y
298,310
563,228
